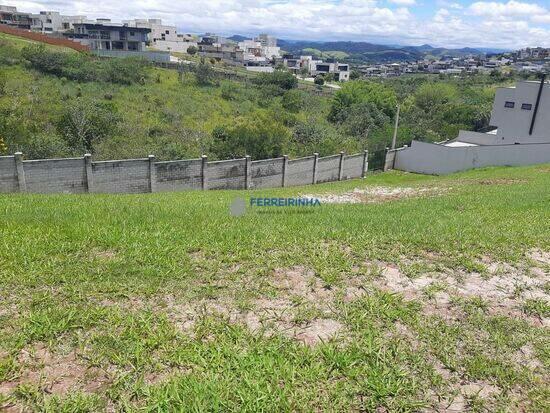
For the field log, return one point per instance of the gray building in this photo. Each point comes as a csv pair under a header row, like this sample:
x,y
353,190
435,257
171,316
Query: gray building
x,y
110,36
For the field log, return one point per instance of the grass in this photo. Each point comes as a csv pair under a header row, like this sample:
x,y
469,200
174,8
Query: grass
x,y
143,302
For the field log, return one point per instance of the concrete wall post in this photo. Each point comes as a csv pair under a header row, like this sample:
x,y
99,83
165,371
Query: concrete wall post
x,y
247,172
341,166
89,172
152,174
365,163
204,172
315,163
18,157
285,169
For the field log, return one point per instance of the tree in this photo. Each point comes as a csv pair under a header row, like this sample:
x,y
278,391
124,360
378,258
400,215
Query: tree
x,y
304,71
293,100
280,78
430,95
204,73
257,135
319,80
355,74
85,123
359,91
192,50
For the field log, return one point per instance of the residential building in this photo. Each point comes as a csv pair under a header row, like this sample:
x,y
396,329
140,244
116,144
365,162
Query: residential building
x,y
104,35
53,22
260,51
11,17
165,37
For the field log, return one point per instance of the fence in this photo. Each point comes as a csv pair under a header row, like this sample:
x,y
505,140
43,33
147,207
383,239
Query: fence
x,y
43,38
79,175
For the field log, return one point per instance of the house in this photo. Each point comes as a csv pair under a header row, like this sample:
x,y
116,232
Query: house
x,y
11,17
216,47
259,51
47,22
521,136
104,35
164,37
340,70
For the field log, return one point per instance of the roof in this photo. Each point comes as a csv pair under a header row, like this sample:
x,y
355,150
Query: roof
x,y
113,26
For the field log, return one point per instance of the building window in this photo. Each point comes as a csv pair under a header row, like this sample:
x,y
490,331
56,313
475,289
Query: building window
x,y
526,106
510,105
131,33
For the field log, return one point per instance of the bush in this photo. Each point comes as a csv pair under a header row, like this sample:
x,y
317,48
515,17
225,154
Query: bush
x,y
83,68
192,50
257,135
229,90
430,95
358,91
84,123
319,80
280,78
204,73
293,100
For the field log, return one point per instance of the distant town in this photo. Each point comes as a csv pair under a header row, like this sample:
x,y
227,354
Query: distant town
x,y
155,41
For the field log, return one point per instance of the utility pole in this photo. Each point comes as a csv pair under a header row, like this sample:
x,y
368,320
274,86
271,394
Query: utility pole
x,y
395,129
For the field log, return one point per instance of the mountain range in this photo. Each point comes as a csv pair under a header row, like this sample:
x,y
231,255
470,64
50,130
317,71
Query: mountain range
x,y
364,52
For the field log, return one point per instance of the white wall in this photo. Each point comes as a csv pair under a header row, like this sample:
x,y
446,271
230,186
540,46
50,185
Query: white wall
x,y
433,159
514,123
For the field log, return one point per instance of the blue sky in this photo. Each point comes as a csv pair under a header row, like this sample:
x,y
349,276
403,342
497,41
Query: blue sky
x,y
449,23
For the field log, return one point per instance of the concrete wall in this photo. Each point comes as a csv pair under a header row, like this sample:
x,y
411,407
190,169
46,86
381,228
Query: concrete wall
x,y
8,174
78,175
226,174
300,171
429,158
267,173
56,175
328,168
128,176
353,166
178,175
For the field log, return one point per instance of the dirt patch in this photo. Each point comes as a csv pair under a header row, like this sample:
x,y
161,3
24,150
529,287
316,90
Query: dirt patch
x,y
501,181
377,194
103,255
540,256
55,373
502,294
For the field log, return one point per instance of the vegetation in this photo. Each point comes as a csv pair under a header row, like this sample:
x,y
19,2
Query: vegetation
x,y
151,307
129,109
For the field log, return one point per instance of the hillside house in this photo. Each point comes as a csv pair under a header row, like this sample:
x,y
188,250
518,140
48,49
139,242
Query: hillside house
x,y
521,136
11,17
104,35
164,37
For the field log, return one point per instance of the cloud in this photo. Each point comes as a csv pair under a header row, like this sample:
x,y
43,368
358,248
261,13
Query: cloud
x,y
511,24
507,10
403,2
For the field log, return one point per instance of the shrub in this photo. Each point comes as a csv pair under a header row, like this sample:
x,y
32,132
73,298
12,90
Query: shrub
x,y
293,100
319,80
204,73
257,135
84,123
229,90
280,78
358,91
80,67
3,83
430,95
192,50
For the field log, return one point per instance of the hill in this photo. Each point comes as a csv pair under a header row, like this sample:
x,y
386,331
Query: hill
x,y
429,293
364,52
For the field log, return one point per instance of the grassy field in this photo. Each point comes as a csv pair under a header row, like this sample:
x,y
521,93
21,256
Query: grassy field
x,y
429,294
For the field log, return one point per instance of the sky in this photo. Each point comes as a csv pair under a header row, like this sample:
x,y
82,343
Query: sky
x,y
505,24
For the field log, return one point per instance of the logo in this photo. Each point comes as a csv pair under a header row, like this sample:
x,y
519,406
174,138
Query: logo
x,y
265,204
